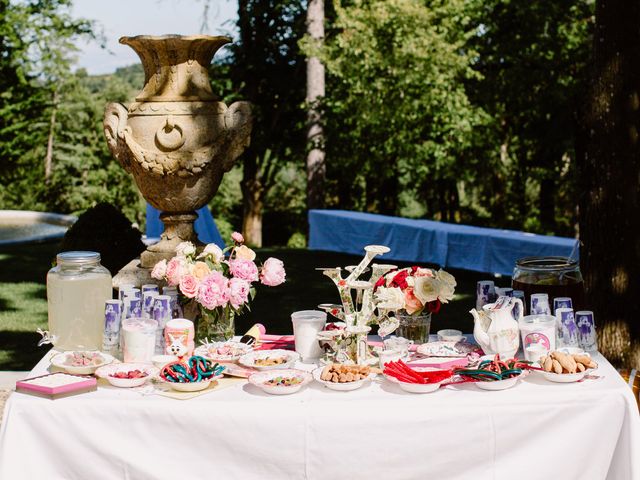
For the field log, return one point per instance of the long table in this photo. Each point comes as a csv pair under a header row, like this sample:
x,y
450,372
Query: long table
x,y
450,245
536,430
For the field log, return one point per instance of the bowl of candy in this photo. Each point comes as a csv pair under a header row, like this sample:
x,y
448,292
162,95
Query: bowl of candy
x,y
192,375
415,380
81,362
229,351
127,375
269,359
280,382
495,374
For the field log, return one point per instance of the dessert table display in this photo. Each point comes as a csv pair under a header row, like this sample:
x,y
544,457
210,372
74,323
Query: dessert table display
x,y
537,429
329,401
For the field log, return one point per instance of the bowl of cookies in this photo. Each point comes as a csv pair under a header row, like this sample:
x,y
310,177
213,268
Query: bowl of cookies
x,y
343,377
561,367
269,359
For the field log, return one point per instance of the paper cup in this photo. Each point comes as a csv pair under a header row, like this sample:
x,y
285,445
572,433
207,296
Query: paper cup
x,y
306,326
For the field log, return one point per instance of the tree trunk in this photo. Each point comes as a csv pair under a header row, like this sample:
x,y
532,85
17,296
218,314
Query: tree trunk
x,y
48,159
609,172
315,91
547,203
252,202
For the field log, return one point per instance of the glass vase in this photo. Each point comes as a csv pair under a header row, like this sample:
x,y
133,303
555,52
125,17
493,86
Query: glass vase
x,y
414,327
215,325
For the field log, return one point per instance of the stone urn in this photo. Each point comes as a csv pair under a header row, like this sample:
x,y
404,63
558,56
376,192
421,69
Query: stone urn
x,y
176,139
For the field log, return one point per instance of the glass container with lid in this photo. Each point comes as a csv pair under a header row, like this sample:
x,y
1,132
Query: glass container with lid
x,y
555,276
77,288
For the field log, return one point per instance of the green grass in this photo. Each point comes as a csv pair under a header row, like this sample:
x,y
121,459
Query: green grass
x,y
23,303
23,306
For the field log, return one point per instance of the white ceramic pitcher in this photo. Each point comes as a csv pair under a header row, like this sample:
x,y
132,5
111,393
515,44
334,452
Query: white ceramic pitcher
x,y
496,326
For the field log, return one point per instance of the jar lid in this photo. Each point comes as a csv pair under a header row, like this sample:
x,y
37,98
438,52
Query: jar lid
x,y
78,257
547,263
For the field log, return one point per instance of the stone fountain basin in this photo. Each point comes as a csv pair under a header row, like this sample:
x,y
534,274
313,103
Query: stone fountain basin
x,y
24,226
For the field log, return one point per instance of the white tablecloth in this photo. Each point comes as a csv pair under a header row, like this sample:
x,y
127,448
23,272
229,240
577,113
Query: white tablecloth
x,y
537,430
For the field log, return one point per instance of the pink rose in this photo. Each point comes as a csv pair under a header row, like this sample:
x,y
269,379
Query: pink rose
x,y
189,286
237,237
174,271
411,302
238,292
244,269
273,273
213,291
159,270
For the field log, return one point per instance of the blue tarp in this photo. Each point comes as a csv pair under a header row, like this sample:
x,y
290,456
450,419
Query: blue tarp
x,y
450,245
204,225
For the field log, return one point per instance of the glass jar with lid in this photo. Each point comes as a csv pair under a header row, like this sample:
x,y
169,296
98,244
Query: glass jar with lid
x,y
77,288
555,276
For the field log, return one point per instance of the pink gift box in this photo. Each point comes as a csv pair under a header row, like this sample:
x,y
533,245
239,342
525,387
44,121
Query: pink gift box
x,y
57,385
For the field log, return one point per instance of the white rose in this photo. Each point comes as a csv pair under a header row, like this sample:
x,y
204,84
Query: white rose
x,y
245,253
185,249
446,278
214,251
445,292
426,289
390,298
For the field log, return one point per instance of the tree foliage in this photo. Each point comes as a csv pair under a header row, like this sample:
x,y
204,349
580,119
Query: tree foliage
x,y
398,116
456,110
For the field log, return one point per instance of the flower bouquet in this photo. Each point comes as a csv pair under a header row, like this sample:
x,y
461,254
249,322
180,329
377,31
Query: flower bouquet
x,y
217,284
414,293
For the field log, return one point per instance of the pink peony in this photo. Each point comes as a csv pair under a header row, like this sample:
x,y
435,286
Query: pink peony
x,y
244,269
174,271
237,237
273,273
213,291
238,292
189,286
159,270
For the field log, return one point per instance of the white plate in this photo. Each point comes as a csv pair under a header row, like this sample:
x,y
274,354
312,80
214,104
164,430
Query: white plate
x,y
446,349
341,387
573,351
205,351
190,386
565,377
106,372
59,359
498,384
417,387
259,378
249,359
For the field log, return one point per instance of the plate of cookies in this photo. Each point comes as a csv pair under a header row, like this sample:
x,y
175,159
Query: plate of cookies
x,y
343,378
561,367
